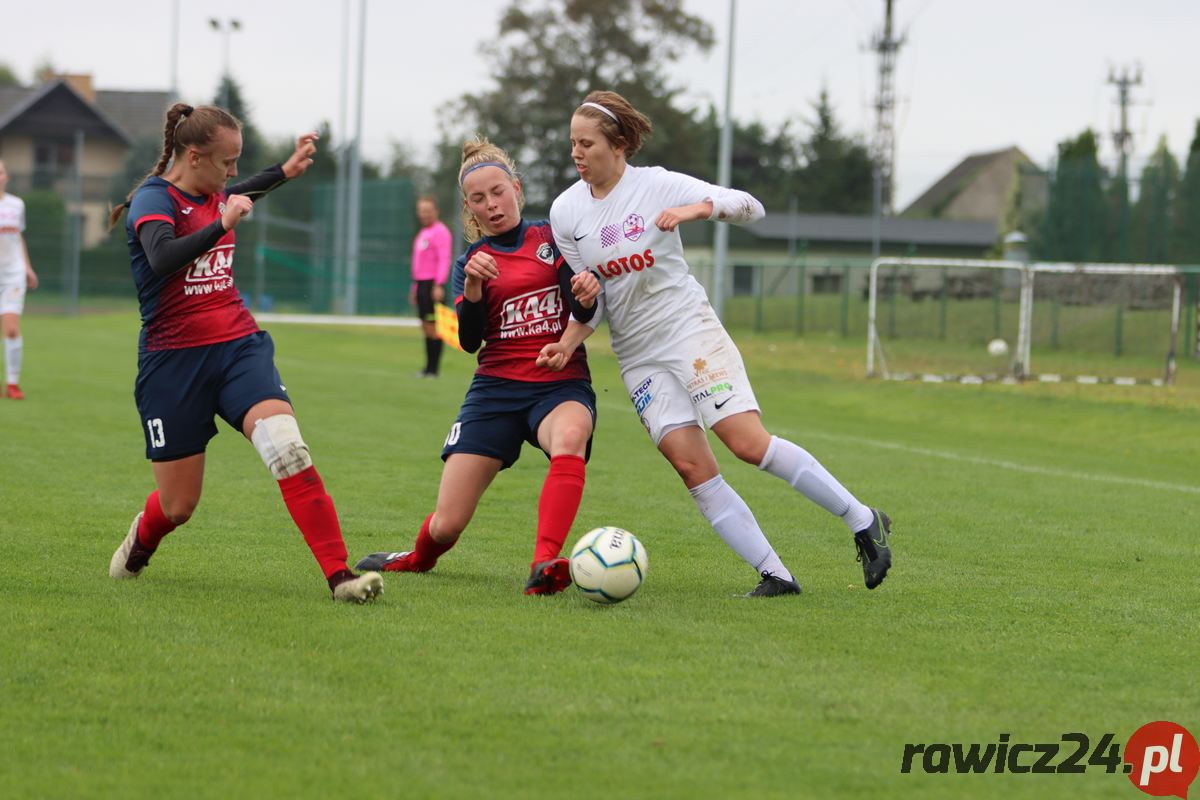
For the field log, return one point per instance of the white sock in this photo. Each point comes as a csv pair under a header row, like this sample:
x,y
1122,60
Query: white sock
x,y
734,522
796,465
12,358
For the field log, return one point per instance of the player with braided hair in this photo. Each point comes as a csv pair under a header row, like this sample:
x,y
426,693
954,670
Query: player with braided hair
x,y
201,354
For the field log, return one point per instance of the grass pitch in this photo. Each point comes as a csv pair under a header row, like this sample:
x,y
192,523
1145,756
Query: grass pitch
x,y
1045,539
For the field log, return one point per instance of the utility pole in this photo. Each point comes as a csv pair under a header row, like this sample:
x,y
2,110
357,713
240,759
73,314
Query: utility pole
x,y
724,157
886,44
1122,138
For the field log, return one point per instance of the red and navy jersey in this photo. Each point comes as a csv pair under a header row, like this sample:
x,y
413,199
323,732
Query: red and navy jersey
x,y
195,305
525,307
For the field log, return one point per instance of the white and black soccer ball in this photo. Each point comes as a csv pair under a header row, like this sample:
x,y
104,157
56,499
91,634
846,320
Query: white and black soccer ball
x,y
997,348
608,564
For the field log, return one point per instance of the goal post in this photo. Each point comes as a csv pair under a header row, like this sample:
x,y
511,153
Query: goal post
x,y
978,320
984,293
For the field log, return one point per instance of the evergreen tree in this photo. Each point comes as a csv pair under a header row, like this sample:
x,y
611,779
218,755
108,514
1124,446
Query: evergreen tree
x,y
1150,220
254,146
837,176
1077,218
1185,239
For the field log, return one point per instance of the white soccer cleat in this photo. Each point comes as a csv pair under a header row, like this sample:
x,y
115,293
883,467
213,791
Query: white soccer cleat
x,y
116,567
362,589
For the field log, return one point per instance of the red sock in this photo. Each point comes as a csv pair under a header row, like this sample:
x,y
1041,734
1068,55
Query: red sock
x,y
426,552
154,525
313,512
561,493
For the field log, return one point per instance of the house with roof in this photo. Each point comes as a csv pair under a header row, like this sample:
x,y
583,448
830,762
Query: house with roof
x,y
959,216
66,136
980,187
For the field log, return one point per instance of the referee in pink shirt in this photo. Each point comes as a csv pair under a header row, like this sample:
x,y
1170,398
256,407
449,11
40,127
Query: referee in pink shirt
x,y
430,269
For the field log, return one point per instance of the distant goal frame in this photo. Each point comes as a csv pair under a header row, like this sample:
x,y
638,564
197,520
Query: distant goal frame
x,y
1027,272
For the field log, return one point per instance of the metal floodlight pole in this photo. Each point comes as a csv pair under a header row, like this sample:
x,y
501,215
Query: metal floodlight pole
x,y
354,206
226,29
721,236
175,50
340,194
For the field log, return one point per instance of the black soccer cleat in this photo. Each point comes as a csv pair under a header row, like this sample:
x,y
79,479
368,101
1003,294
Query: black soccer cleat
x,y
873,549
772,585
390,562
549,577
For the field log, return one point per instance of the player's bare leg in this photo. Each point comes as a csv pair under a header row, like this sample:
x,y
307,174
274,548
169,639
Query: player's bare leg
x,y
178,484
465,477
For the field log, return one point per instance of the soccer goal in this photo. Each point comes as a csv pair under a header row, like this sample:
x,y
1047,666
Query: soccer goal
x,y
975,321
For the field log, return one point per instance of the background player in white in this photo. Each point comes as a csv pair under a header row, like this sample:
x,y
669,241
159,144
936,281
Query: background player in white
x,y
681,368
16,274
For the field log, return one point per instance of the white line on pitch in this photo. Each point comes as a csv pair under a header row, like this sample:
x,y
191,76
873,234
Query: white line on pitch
x,y
968,459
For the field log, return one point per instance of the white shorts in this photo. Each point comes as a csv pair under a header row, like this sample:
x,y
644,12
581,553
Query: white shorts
x,y
701,383
12,297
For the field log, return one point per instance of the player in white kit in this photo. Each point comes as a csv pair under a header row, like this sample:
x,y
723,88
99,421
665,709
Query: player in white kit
x,y
16,275
682,370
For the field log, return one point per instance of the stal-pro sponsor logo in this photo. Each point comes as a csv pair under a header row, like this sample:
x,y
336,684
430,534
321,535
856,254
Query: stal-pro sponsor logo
x,y
211,272
531,313
616,267
711,391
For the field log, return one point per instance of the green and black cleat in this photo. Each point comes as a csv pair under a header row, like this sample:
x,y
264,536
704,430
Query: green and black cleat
x,y
873,549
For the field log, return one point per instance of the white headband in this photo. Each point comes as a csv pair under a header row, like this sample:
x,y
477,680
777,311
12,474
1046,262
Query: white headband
x,y
610,114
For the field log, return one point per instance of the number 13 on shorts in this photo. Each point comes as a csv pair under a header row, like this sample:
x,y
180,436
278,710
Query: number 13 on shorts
x,y
154,432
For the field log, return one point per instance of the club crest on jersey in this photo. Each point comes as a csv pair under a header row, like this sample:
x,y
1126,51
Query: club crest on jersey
x,y
546,253
634,227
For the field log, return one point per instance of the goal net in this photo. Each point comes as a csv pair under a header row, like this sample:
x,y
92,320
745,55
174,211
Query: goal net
x,y
975,321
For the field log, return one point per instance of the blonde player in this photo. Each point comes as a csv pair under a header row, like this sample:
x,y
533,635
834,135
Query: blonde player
x,y
16,275
682,370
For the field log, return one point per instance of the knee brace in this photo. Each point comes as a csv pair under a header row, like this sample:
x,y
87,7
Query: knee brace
x,y
277,440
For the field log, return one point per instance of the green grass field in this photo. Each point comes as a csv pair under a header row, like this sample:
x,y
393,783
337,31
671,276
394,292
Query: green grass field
x,y
1045,537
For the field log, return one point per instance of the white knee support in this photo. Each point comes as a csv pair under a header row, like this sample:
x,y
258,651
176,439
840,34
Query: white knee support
x,y
277,440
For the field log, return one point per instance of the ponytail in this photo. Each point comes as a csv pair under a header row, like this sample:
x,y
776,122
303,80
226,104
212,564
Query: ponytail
x,y
186,126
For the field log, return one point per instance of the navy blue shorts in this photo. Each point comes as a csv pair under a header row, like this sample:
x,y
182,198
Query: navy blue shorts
x,y
179,392
498,415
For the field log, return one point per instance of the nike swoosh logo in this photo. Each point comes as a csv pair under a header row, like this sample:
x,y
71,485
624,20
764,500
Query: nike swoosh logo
x,y
723,402
577,238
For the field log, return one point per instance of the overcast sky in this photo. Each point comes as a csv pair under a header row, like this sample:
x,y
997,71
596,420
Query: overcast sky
x,y
973,75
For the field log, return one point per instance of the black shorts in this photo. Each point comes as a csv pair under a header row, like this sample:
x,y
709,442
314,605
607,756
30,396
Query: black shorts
x,y
498,415
179,392
425,301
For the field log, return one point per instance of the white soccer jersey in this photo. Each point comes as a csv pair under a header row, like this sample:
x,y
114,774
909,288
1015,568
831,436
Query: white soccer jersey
x,y
12,225
651,300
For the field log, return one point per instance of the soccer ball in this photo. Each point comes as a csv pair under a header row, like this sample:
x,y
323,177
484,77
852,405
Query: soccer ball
x,y
608,564
997,348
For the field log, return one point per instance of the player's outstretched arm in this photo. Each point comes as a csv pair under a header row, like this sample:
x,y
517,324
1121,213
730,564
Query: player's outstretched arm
x,y
271,178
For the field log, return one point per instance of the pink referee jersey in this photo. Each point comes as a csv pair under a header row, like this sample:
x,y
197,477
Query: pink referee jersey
x,y
431,254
